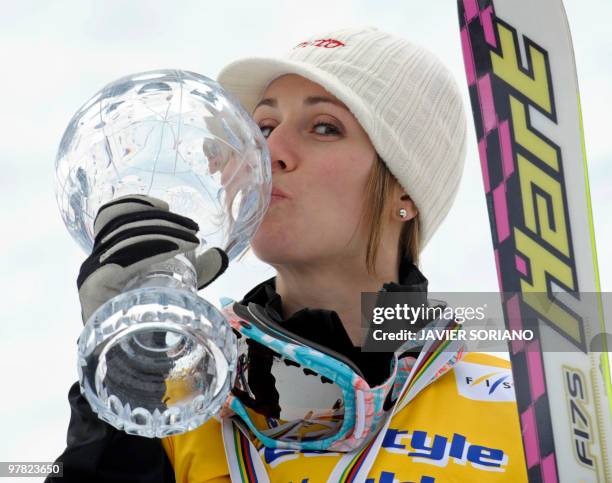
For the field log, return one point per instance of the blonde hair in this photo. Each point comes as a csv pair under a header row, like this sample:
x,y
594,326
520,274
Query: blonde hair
x,y
378,194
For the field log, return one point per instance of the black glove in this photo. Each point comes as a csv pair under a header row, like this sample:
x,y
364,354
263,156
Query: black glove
x,y
131,234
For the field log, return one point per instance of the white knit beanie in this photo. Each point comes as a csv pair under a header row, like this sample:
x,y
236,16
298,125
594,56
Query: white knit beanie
x,y
401,94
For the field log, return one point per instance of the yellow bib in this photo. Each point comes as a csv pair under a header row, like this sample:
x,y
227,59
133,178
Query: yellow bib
x,y
462,428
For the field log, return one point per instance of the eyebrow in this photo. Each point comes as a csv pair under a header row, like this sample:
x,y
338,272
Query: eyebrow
x,y
268,101
309,101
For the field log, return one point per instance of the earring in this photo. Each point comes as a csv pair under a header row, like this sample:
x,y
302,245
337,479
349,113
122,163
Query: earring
x,y
403,213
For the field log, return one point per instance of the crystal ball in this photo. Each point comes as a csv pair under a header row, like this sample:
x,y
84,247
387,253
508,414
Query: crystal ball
x,y
173,135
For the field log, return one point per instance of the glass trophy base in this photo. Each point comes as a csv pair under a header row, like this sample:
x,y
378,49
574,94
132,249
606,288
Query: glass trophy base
x,y
156,361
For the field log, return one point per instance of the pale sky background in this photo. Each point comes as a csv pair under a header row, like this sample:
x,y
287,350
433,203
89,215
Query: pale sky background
x,y
55,55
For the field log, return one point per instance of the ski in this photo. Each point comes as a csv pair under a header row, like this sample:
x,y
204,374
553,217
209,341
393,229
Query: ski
x,y
523,88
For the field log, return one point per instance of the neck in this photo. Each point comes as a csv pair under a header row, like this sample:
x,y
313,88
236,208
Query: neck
x,y
334,286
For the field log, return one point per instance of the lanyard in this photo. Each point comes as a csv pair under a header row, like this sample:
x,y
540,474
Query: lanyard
x,y
246,466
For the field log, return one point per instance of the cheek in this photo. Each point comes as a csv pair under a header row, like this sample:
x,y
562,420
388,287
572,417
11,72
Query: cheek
x,y
344,182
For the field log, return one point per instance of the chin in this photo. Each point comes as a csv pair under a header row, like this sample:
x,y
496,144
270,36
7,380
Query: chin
x,y
273,253
279,250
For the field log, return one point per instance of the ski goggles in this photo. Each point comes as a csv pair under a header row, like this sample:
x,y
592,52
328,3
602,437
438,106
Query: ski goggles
x,y
292,393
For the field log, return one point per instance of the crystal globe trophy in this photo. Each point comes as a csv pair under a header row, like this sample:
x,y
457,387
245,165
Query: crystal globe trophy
x,y
158,359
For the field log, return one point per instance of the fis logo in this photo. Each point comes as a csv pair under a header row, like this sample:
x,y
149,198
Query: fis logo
x,y
576,386
492,380
484,383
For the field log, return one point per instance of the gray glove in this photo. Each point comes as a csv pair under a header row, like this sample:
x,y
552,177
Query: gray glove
x,y
131,234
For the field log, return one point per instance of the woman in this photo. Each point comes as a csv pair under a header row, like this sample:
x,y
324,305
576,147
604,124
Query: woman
x,y
366,136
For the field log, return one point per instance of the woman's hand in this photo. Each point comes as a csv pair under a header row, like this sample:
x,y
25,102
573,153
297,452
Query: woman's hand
x,y
131,234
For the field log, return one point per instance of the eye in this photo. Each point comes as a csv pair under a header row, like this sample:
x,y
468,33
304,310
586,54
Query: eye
x,y
326,129
266,130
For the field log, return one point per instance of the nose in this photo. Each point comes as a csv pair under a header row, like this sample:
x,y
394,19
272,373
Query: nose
x,y
283,147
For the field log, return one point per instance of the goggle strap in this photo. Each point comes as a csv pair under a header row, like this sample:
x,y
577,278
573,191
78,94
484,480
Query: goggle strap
x,y
265,323
432,363
360,402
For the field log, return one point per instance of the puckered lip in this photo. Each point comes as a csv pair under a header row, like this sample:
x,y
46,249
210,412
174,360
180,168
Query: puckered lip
x,y
278,193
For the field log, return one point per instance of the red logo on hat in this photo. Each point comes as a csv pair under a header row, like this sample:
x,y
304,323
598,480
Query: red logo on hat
x,y
325,43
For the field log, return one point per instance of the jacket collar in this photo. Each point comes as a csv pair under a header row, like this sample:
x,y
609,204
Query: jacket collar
x,y
325,327
410,280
